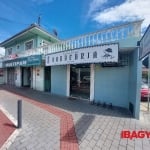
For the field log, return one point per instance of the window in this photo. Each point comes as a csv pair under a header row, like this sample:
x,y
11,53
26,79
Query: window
x,y
124,59
29,45
18,46
9,50
45,43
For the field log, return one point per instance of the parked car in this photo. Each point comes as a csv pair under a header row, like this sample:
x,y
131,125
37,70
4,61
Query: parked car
x,y
145,92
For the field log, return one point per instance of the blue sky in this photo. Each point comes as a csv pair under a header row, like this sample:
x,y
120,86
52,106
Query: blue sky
x,y
69,17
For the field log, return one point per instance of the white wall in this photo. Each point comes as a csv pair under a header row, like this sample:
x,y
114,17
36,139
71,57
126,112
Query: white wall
x,y
38,78
5,75
18,76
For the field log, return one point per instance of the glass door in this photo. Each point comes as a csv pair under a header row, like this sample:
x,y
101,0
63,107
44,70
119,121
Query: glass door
x,y
47,78
80,81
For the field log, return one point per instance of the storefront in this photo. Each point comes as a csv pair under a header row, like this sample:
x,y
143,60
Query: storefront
x,y
24,71
103,74
73,71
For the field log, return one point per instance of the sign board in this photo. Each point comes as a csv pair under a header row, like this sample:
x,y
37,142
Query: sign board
x,y
34,60
145,44
95,54
24,61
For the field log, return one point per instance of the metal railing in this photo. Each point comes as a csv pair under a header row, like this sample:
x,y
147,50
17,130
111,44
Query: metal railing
x,y
113,34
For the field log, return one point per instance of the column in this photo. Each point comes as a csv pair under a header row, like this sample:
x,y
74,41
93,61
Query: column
x,y
92,76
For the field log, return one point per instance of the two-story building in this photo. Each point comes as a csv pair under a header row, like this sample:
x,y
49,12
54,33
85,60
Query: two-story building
x,y
1,70
23,67
102,66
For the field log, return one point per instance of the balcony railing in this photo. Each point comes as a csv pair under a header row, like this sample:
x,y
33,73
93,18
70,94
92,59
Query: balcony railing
x,y
113,34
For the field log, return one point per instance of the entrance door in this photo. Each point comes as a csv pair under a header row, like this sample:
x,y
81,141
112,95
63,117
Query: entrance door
x,y
11,76
26,76
80,81
47,79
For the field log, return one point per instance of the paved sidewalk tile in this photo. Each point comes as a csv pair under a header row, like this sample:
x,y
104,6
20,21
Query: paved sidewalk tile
x,y
67,136
6,128
40,129
81,125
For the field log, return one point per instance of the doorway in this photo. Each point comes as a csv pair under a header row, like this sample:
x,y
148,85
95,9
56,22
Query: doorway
x,y
11,76
26,76
80,81
47,79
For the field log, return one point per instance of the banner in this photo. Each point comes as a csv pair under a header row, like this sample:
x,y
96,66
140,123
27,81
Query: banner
x,y
95,54
24,61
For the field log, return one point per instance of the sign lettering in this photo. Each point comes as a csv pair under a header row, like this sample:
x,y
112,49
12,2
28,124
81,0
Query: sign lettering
x,y
97,54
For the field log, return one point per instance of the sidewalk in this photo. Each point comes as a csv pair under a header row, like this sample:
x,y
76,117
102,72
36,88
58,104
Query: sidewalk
x,y
41,129
54,122
6,128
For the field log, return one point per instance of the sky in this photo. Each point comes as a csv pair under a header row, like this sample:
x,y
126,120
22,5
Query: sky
x,y
69,17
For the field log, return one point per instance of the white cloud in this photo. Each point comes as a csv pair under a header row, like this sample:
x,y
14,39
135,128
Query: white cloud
x,y
94,5
42,1
128,11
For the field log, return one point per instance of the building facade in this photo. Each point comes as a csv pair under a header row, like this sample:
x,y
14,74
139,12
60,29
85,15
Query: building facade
x,y
27,70
102,66
1,71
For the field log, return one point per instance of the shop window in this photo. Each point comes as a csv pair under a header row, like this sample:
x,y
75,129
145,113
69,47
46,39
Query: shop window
x,y
29,45
18,47
124,59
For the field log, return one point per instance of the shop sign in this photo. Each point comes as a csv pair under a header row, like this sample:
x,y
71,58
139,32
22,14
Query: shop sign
x,y
145,44
24,61
15,62
34,60
95,54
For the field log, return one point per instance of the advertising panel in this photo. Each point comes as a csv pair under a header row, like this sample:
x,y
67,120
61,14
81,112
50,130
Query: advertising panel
x,y
95,54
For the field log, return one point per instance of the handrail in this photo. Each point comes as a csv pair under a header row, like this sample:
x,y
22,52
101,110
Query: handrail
x,y
113,34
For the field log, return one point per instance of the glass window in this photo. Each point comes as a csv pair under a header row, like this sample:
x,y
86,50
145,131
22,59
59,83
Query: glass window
x,y
18,47
29,45
9,51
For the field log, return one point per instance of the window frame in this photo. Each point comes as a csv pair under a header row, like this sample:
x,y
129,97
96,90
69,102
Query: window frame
x,y
10,48
18,45
27,42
